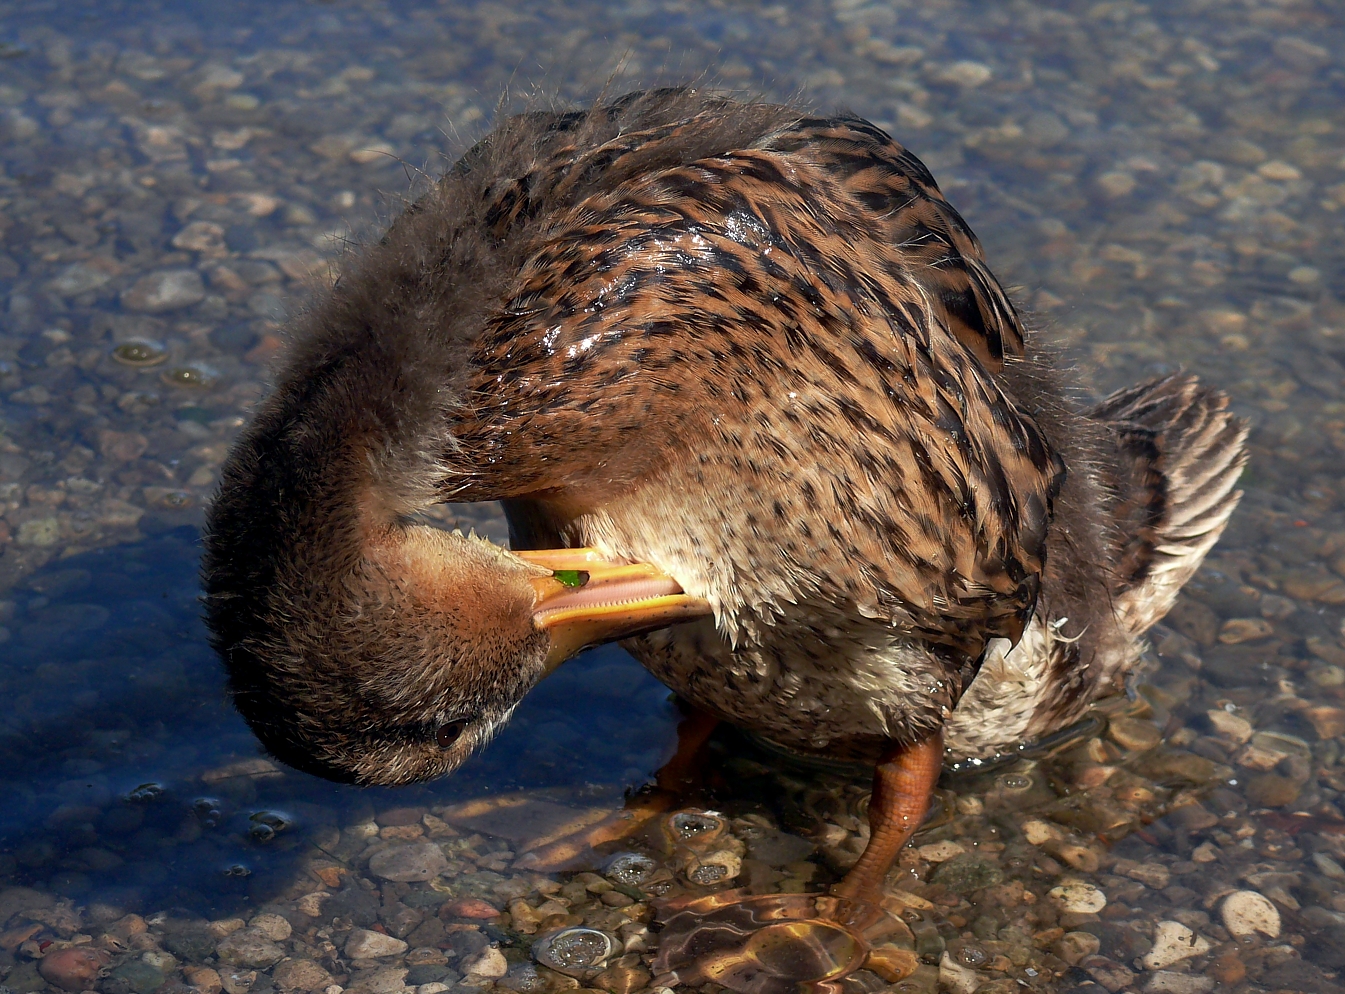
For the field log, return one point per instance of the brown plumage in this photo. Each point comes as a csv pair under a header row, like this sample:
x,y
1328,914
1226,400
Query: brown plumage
x,y
753,348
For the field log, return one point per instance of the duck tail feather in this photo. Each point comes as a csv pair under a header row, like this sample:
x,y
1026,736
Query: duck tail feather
x,y
1180,453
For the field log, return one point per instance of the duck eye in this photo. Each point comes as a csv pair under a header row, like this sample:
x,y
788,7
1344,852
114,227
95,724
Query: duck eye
x,y
450,733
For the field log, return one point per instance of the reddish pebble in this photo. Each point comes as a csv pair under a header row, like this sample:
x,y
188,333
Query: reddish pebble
x,y
74,969
1228,969
468,907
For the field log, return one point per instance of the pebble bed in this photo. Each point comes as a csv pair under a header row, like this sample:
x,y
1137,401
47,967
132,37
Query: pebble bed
x,y
1163,183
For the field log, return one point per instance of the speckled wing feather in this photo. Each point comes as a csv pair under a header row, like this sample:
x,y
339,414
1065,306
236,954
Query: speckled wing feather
x,y
1181,452
803,330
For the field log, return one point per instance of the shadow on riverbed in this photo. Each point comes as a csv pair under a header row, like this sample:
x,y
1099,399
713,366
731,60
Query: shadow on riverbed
x,y
129,779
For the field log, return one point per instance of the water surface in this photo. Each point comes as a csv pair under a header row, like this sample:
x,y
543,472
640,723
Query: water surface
x,y
1164,185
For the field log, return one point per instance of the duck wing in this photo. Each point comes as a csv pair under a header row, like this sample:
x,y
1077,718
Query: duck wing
x,y
794,336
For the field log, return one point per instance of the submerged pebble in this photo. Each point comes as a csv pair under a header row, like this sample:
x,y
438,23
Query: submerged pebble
x,y
1245,913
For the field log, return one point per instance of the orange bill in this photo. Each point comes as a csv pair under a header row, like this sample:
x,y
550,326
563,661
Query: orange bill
x,y
588,600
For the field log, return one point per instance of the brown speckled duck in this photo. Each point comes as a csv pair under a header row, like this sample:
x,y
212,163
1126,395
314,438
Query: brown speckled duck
x,y
756,404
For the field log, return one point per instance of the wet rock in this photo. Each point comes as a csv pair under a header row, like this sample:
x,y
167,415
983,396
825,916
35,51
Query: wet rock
x,y
777,848
77,279
1167,982
248,947
74,969
1231,726
204,979
467,944
1228,969
389,980
964,73
1174,942
712,868
1195,620
1237,630
1079,857
273,927
622,979
413,861
956,978
1134,734
1152,875
966,873
490,962
201,236
469,907
1040,832
1074,947
1326,720
300,975
1079,897
1245,912
238,981
191,944
169,290
940,852
1110,974
364,943
139,976
1267,790
24,978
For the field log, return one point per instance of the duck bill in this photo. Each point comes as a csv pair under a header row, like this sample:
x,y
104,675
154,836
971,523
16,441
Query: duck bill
x,y
588,600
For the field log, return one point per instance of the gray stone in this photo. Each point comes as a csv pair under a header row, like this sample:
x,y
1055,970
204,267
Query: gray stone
x,y
248,947
169,290
410,862
962,874
300,975
364,943
140,976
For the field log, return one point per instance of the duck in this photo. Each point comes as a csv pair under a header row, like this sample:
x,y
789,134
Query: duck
x,y
755,406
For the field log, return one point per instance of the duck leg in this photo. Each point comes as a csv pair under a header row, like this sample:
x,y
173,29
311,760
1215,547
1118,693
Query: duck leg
x,y
902,785
809,943
670,783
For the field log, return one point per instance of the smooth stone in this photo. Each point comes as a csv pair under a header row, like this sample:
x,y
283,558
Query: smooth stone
x,y
1235,631
413,861
201,236
74,969
364,943
956,978
1245,912
248,947
300,975
389,980
1079,897
1231,726
1270,790
274,927
1040,832
1134,734
1073,947
140,976
1174,942
469,907
1167,982
25,978
1152,875
490,962
940,852
967,873
169,290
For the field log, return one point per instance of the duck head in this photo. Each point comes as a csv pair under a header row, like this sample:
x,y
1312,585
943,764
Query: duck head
x,y
391,661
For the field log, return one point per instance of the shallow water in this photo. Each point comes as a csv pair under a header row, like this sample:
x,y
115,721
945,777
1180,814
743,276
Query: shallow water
x,y
1165,186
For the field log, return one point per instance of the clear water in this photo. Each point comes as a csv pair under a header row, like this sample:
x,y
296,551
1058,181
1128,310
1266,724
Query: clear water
x,y
1164,183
